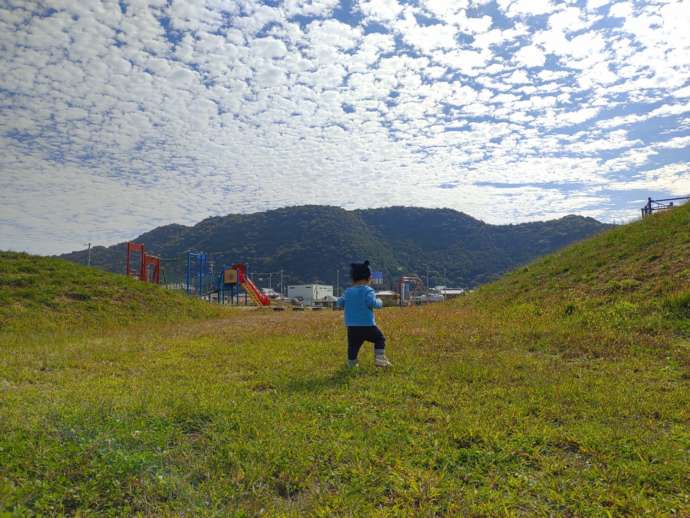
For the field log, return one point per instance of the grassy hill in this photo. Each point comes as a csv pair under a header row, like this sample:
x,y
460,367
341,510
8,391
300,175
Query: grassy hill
x,y
311,242
627,283
41,293
561,389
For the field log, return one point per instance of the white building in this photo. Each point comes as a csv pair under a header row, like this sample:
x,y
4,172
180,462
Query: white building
x,y
311,294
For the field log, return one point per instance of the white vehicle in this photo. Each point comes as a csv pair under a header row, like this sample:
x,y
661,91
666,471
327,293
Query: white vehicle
x,y
271,293
448,293
311,294
429,297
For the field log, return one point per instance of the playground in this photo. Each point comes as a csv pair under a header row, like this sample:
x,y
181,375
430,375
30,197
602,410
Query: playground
x,y
228,285
232,285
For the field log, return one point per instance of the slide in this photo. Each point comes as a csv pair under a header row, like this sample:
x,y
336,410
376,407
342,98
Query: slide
x,y
259,298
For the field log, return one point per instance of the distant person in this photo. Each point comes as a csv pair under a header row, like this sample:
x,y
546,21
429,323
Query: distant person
x,y
360,301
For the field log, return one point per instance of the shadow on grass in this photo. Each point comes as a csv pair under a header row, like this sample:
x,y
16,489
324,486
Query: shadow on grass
x,y
339,378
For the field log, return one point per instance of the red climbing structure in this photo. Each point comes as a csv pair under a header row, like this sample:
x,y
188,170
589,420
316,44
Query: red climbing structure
x,y
149,268
135,248
152,267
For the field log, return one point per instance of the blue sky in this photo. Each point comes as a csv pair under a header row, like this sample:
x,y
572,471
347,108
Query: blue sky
x,y
119,116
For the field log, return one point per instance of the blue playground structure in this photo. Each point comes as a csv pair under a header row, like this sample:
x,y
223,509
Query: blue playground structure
x,y
197,273
227,284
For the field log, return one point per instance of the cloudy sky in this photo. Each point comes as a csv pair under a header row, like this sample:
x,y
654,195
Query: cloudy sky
x,y
119,116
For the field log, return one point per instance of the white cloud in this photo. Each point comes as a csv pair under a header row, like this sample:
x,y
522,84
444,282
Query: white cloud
x,y
621,9
530,56
579,116
426,38
528,7
568,20
331,33
682,92
593,5
381,10
310,7
269,48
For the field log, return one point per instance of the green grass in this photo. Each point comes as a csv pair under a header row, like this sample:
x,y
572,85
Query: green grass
x,y
51,295
560,390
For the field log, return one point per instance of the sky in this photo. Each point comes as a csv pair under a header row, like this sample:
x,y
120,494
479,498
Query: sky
x,y
120,116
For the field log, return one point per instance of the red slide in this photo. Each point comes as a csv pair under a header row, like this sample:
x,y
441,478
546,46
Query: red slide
x,y
259,298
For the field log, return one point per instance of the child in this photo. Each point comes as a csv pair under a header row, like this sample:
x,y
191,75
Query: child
x,y
360,301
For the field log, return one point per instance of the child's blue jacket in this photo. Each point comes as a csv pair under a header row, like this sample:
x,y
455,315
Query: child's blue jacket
x,y
359,302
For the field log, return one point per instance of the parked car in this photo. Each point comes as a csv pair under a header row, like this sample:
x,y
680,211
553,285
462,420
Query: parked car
x,y
271,293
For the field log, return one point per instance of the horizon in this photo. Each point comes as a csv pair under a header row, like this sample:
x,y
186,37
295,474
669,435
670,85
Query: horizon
x,y
119,119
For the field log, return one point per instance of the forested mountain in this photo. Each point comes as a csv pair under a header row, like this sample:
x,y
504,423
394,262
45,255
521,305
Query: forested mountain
x,y
310,243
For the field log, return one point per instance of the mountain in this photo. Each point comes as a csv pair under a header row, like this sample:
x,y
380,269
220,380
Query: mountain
x,y
310,243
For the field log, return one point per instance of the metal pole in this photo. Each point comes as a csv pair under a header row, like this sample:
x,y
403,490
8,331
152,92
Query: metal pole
x,y
281,282
337,282
88,257
187,273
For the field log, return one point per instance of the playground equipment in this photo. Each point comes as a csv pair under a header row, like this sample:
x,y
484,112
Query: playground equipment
x,y
197,274
410,287
149,266
228,286
259,298
200,281
654,205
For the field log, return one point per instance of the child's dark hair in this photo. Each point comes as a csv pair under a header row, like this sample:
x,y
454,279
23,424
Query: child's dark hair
x,y
360,271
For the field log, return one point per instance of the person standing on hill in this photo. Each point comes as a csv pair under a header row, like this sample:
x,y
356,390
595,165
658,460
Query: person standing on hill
x,y
359,302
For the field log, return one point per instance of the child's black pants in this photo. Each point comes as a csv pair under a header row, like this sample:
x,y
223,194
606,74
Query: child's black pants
x,y
357,335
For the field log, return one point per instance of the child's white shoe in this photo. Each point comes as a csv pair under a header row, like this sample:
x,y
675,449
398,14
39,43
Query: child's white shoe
x,y
382,361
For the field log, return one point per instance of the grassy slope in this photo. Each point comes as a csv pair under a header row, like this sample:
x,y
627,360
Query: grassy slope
x,y
561,389
633,278
52,295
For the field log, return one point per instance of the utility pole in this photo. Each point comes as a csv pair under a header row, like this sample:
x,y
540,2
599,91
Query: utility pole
x,y
88,256
337,282
281,282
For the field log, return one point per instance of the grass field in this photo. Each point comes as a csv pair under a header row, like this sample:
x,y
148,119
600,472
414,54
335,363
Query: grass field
x,y
561,389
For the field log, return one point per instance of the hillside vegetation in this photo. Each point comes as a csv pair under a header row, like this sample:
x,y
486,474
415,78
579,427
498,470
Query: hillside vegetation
x,y
560,390
47,294
628,284
310,243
